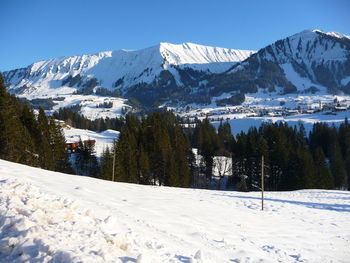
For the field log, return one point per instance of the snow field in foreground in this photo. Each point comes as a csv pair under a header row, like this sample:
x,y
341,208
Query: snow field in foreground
x,y
37,227
42,221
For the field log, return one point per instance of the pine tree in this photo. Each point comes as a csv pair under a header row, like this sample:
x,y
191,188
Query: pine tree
x,y
85,159
28,140
58,146
92,164
79,159
106,167
46,159
225,136
144,167
182,151
344,141
337,166
126,156
307,175
163,167
15,141
208,144
324,179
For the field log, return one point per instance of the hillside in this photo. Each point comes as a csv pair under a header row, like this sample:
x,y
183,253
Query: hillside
x,y
120,69
52,217
103,139
311,61
306,69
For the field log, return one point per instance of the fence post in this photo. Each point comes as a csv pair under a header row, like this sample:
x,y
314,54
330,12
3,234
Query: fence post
x,y
262,182
113,164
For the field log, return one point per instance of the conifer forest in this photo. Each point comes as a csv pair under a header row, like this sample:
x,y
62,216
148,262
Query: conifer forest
x,y
157,149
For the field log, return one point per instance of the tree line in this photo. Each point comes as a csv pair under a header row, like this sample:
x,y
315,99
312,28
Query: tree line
x,y
158,150
152,150
293,159
74,119
28,139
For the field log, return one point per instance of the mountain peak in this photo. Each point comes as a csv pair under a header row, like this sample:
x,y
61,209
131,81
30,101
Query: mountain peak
x,y
149,75
311,33
122,68
191,53
332,33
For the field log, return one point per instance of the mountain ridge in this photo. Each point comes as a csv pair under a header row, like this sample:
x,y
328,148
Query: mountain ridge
x,y
313,57
127,67
191,73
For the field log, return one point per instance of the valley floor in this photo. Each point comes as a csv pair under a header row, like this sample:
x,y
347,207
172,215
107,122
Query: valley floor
x,y
53,217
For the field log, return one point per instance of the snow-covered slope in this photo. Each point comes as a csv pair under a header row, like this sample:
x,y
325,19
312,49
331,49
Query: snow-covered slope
x,y
53,217
121,68
177,75
309,46
296,63
102,139
91,106
321,57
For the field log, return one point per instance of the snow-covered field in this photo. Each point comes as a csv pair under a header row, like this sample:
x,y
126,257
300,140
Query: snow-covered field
x,y
103,139
53,217
242,123
91,105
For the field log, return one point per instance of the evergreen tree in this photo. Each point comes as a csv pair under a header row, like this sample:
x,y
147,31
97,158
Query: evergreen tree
x,y
85,159
58,146
126,156
144,167
307,176
106,166
344,141
337,166
15,141
46,158
323,176
225,136
208,144
151,151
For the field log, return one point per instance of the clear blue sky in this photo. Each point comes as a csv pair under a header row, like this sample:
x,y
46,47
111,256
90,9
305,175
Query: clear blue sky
x,y
33,30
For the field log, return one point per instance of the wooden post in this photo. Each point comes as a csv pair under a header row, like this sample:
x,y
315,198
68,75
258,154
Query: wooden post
x,y
262,182
113,164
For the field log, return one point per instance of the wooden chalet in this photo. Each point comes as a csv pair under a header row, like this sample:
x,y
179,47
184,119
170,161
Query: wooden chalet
x,y
71,146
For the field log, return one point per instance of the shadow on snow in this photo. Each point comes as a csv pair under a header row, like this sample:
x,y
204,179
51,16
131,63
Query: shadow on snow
x,y
322,206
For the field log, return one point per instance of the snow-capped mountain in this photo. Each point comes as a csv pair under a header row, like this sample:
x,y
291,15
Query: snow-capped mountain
x,y
311,60
120,69
308,62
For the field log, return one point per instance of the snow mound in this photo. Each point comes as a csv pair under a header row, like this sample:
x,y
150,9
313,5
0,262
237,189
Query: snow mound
x,y
37,227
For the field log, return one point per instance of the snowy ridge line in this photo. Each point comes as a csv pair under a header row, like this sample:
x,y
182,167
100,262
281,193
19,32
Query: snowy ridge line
x,y
37,227
178,54
127,67
332,33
